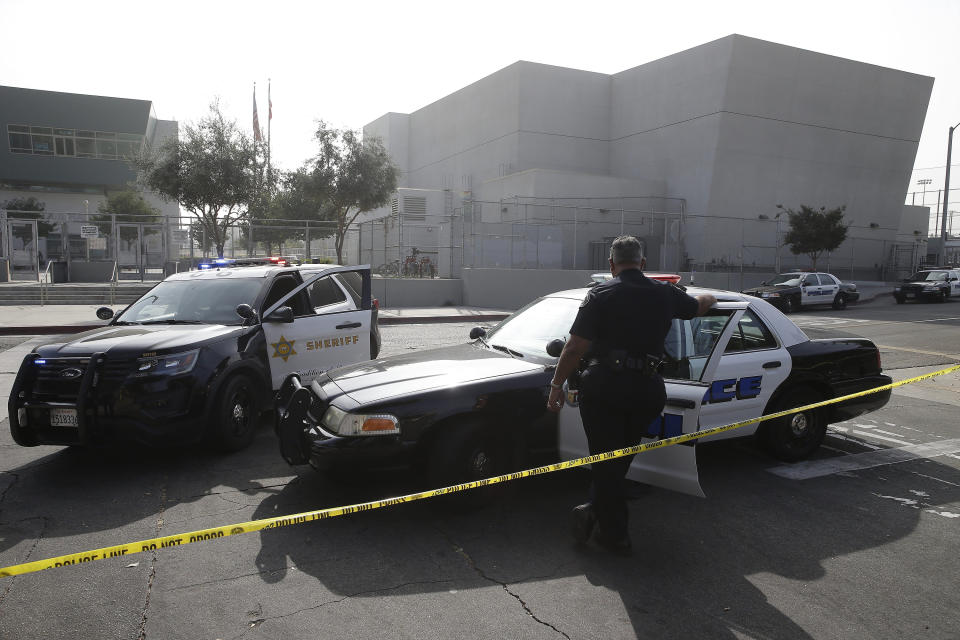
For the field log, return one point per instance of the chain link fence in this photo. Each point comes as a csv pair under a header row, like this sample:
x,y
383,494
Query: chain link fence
x,y
440,240
520,233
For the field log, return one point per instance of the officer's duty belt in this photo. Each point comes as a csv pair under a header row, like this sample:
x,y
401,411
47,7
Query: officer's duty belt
x,y
644,364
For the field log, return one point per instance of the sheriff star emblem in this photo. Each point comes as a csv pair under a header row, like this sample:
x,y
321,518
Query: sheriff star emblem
x,y
283,348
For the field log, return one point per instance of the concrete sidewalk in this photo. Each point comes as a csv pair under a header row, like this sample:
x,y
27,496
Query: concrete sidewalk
x,y
73,318
50,319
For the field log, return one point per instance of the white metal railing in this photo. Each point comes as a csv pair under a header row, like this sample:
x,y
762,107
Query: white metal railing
x,y
114,277
45,280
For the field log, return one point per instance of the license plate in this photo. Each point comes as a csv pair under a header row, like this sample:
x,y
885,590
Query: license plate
x,y
63,417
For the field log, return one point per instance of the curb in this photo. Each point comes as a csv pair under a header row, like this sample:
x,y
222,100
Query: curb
x,y
77,328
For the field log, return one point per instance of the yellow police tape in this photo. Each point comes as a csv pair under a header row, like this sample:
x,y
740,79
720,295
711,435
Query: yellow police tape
x,y
322,514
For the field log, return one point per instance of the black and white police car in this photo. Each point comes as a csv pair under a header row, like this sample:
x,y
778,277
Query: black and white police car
x,y
933,285
795,290
196,357
475,410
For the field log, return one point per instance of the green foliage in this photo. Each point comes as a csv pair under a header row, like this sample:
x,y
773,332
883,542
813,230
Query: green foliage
x,y
814,231
348,176
29,209
127,206
212,170
291,208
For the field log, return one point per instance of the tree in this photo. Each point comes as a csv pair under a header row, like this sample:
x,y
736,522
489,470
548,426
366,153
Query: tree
x,y
127,206
212,170
298,199
814,231
29,209
349,176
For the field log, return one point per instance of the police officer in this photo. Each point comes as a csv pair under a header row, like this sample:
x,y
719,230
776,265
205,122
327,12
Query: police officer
x,y
621,327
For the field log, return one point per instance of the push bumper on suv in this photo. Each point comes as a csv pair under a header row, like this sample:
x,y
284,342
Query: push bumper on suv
x,y
87,400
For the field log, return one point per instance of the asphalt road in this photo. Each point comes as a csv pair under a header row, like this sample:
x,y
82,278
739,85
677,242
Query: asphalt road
x,y
866,548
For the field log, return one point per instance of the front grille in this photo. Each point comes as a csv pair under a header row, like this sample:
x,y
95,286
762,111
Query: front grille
x,y
59,379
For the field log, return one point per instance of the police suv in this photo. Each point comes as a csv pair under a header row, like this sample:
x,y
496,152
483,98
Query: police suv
x,y
196,357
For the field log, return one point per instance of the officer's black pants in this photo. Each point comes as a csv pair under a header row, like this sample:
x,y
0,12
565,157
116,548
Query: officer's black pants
x,y
616,408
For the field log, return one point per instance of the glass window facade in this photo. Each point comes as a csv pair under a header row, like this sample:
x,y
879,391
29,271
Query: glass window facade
x,y
73,143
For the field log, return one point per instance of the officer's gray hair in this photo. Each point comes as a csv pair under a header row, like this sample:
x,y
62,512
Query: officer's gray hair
x,y
626,250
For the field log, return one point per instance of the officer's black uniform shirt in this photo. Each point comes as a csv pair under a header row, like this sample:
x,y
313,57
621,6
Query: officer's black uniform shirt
x,y
631,312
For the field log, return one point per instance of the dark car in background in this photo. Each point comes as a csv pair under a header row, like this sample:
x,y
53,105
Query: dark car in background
x,y
794,290
932,285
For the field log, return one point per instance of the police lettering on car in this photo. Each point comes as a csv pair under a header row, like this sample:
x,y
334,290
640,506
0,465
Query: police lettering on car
x,y
620,328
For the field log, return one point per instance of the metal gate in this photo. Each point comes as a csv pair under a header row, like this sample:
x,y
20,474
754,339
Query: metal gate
x,y
22,249
140,251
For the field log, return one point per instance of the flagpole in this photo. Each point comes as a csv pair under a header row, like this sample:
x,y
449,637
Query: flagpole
x,y
269,122
256,126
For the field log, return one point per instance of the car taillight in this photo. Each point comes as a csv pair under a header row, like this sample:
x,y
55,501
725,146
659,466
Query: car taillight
x,y
376,304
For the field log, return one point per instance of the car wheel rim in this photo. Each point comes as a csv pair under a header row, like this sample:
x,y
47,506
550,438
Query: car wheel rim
x,y
798,424
479,463
240,412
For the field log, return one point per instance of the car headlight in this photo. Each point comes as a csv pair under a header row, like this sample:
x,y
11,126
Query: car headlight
x,y
930,287
359,424
769,295
167,365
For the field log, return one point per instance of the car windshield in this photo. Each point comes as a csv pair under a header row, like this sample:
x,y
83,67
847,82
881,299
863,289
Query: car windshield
x,y
194,302
929,275
787,279
530,329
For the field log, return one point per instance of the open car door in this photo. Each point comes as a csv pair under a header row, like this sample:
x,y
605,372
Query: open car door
x,y
673,467
325,330
692,355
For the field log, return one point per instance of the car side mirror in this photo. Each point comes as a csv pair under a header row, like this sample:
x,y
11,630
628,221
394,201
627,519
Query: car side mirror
x,y
245,311
104,313
763,282
281,314
555,347
477,332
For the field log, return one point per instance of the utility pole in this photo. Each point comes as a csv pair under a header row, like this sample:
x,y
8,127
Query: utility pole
x,y
946,198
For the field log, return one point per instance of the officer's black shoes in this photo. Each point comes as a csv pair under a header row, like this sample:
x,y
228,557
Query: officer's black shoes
x,y
618,546
582,521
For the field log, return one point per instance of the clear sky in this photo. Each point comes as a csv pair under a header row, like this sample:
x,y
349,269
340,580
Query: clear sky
x,y
350,62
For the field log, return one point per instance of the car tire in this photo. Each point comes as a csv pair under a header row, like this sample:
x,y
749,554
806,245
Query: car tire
x,y
942,297
235,415
899,299
466,453
840,302
794,437
795,304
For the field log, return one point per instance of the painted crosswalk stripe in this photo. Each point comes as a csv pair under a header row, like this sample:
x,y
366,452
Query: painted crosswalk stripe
x,y
819,468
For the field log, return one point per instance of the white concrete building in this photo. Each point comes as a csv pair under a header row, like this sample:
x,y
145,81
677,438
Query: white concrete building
x,y
720,134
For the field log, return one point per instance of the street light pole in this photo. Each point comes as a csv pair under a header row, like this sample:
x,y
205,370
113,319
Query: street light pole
x,y
946,198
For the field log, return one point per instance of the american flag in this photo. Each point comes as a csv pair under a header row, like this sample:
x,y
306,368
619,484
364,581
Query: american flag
x,y
257,135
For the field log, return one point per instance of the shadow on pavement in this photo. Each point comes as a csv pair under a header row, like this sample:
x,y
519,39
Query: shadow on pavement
x,y
693,562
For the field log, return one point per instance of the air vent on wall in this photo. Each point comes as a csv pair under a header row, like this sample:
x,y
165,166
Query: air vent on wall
x,y
414,208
